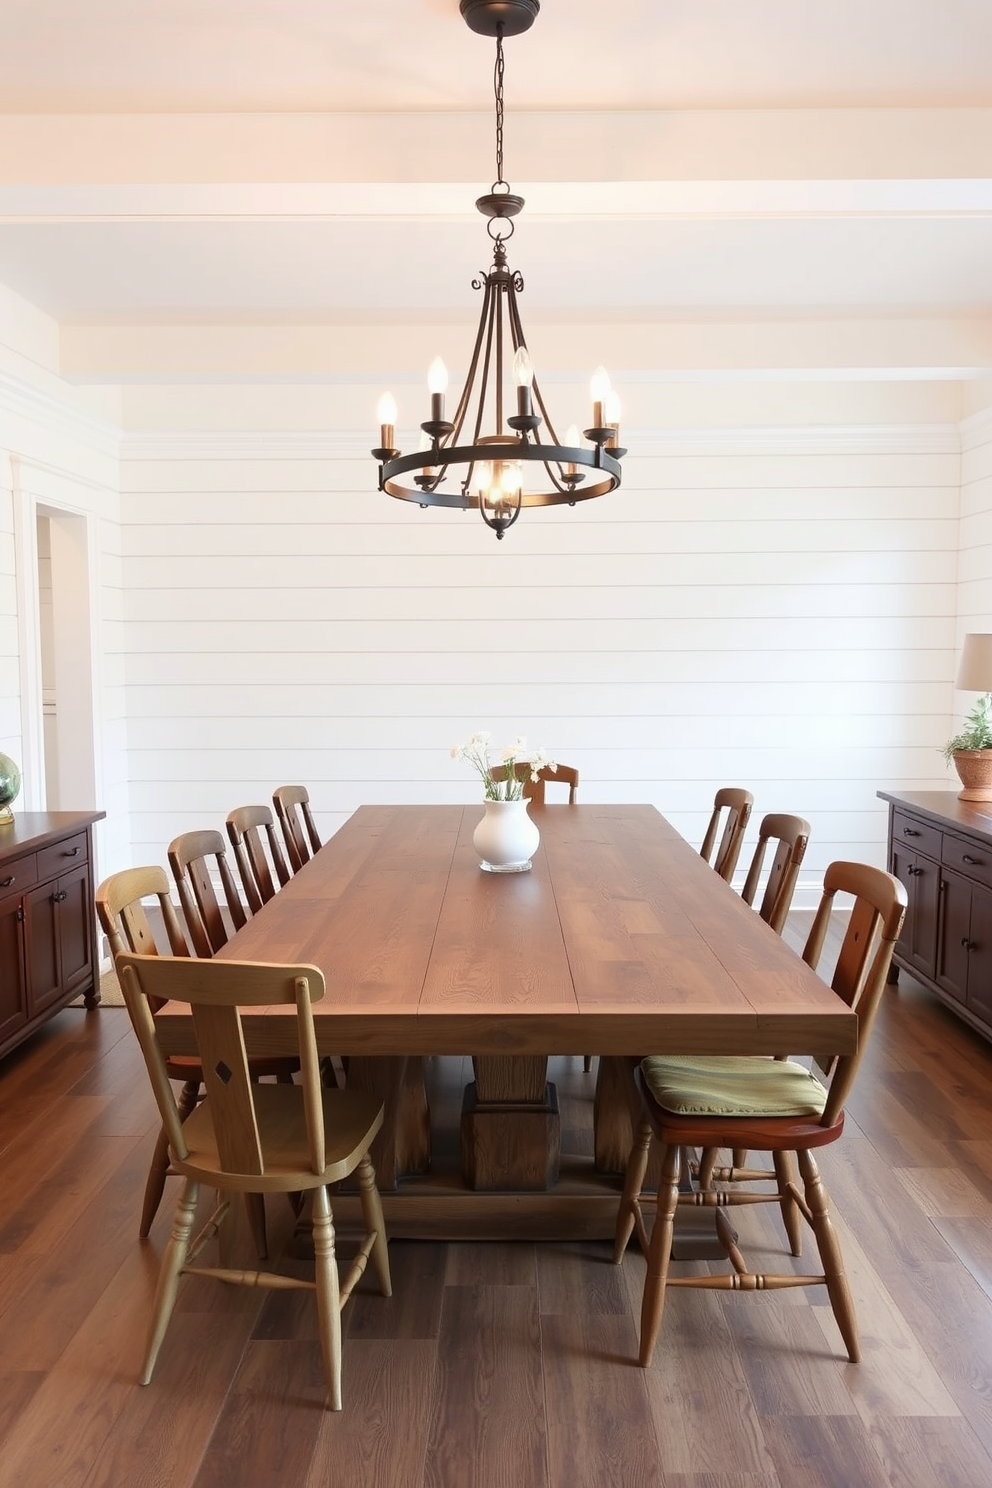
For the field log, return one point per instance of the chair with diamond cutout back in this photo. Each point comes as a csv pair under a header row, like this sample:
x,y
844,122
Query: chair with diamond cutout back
x,y
299,830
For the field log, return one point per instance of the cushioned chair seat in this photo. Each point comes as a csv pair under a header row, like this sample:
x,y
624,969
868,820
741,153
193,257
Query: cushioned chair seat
x,y
701,1085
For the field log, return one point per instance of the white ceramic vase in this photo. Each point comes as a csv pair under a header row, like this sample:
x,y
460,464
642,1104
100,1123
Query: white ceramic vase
x,y
506,838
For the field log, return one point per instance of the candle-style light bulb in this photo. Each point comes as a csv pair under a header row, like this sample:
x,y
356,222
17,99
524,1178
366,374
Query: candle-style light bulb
x,y
612,411
386,413
523,376
571,442
437,383
600,390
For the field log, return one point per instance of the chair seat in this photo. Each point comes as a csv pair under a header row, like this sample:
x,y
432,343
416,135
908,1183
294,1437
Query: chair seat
x,y
732,1085
351,1119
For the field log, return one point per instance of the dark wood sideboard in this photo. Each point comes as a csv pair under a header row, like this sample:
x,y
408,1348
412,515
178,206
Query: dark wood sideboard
x,y
940,849
47,923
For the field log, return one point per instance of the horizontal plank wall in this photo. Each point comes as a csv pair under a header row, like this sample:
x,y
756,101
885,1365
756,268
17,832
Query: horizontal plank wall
x,y
55,455
975,537
772,607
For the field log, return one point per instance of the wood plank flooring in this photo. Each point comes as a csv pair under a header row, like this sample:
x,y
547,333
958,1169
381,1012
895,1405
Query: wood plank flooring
x,y
499,1365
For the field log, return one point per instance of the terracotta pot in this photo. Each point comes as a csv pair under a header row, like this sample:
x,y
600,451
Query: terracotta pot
x,y
974,767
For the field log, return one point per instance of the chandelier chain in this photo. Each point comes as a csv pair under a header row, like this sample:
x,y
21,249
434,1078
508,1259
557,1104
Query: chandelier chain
x,y
498,88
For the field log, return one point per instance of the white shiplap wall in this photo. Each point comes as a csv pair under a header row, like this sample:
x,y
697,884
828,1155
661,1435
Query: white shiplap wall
x,y
975,536
774,608
52,454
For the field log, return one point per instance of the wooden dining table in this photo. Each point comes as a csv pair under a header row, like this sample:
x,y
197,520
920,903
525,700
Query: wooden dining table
x,y
618,942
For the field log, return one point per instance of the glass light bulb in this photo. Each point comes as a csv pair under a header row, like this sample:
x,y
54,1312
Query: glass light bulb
x,y
572,437
437,377
523,367
483,478
612,407
386,412
600,385
510,478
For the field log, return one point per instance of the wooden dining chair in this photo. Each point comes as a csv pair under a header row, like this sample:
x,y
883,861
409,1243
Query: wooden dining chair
x,y
261,867
256,1139
292,803
534,790
190,856
772,1105
737,804
120,907
790,834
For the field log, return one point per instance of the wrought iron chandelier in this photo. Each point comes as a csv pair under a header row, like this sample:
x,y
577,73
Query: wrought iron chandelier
x,y
491,470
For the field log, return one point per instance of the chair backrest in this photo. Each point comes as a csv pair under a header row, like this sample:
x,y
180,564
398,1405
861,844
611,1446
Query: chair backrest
x,y
862,962
534,790
737,804
790,835
189,858
245,826
123,918
215,990
292,802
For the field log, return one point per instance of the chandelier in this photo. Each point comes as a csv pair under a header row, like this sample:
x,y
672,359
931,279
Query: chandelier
x,y
501,409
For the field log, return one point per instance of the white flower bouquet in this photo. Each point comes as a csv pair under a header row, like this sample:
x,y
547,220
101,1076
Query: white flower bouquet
x,y
517,761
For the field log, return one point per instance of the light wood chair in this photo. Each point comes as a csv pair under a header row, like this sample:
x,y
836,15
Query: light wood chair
x,y
256,867
737,804
292,803
189,857
256,1139
123,919
534,790
768,1105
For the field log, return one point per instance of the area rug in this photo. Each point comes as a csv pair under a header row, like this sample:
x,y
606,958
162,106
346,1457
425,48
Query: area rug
x,y
110,992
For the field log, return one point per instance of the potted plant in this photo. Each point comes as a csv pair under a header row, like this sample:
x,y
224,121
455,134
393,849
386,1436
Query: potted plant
x,y
970,751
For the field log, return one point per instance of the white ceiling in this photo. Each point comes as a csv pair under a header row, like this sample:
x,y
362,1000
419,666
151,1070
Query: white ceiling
x,y
668,174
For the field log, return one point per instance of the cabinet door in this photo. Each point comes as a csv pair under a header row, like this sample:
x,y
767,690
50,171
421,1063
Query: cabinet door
x,y
920,877
74,901
955,936
44,977
13,1002
980,960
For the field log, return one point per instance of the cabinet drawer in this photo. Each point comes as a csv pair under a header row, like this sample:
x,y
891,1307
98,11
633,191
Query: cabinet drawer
x,y
61,855
18,874
969,858
914,834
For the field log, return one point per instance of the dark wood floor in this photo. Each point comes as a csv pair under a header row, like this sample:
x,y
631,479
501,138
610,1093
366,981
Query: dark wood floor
x,y
500,1366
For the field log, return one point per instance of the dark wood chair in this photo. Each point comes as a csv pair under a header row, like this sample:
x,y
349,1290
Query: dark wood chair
x,y
292,803
121,911
261,866
737,805
790,834
256,1139
190,856
534,790
771,1105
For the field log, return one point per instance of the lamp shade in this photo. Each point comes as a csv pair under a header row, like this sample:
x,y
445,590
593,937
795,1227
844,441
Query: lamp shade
x,y
975,669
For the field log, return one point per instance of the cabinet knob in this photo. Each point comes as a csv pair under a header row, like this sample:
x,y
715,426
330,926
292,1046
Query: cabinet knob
x,y
914,871
975,862
58,898
969,945
5,883
910,832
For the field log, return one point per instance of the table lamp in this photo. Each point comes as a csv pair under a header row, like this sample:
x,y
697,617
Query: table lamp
x,y
971,750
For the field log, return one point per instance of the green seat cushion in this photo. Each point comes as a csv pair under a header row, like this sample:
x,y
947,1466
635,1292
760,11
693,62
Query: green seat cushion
x,y
728,1085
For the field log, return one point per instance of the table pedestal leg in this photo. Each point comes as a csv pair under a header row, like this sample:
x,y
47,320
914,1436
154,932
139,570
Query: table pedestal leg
x,y
511,1129
404,1141
617,1113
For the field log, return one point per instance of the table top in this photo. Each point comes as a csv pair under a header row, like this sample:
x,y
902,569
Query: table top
x,y
620,939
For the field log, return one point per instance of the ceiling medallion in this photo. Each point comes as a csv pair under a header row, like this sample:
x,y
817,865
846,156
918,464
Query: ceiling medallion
x,y
503,449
